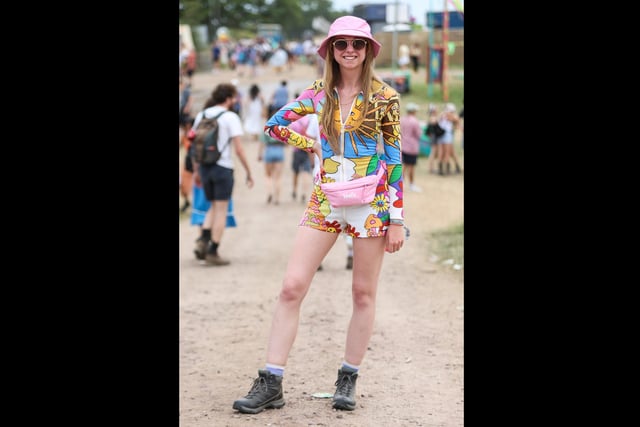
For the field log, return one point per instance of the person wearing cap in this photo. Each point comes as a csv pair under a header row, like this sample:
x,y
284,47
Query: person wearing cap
x,y
355,109
448,121
411,131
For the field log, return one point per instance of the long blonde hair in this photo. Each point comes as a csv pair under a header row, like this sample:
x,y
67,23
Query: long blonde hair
x,y
332,78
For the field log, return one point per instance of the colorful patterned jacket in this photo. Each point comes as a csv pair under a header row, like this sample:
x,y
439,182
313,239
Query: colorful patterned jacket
x,y
361,133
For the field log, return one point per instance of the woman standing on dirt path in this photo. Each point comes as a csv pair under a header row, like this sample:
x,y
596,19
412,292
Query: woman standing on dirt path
x,y
354,107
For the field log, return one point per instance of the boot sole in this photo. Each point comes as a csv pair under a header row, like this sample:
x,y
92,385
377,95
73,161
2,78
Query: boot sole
x,y
216,261
277,404
339,404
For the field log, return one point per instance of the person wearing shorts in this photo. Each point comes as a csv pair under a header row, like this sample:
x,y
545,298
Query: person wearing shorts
x,y
411,133
448,121
302,161
355,109
217,180
271,151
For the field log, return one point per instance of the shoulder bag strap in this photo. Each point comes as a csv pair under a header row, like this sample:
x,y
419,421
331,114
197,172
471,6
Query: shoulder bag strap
x,y
227,143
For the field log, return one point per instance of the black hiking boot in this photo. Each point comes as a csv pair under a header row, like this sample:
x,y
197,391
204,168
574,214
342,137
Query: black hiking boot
x,y
265,393
201,249
345,395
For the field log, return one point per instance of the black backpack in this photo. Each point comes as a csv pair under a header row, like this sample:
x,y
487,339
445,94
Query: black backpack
x,y
433,130
204,147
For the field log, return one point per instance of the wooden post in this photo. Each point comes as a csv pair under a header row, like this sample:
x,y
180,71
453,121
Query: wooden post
x,y
445,53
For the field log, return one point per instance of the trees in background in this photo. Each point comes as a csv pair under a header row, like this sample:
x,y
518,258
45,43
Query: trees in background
x,y
295,16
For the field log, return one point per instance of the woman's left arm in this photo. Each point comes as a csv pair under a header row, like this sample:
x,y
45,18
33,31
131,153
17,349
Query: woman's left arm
x,y
390,127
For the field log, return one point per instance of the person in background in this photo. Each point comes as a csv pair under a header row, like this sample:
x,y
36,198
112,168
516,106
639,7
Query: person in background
x,y
217,180
192,62
303,162
433,131
448,121
186,174
184,114
271,151
403,56
461,117
279,59
182,60
411,133
280,96
237,104
354,107
254,113
415,56
215,55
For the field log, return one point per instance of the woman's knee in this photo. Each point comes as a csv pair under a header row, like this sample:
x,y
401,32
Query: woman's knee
x,y
363,296
292,291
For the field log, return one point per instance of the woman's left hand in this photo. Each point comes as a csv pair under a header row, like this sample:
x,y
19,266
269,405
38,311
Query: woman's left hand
x,y
395,238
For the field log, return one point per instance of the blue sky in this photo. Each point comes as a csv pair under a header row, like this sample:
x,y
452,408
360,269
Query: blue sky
x,y
417,8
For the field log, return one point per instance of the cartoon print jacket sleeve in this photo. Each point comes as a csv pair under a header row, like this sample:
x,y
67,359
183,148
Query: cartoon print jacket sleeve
x,y
390,128
277,126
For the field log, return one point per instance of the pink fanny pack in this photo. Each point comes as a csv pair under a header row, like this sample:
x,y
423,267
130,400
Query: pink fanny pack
x,y
358,191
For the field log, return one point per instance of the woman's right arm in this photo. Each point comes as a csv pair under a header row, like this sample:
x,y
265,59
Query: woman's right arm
x,y
277,126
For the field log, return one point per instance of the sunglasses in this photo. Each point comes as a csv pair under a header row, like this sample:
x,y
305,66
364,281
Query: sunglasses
x,y
341,44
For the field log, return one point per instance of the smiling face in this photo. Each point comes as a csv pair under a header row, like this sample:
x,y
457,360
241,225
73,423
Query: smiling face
x,y
349,56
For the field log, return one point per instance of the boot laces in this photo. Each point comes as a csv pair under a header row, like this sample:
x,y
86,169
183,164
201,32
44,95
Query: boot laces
x,y
259,385
344,384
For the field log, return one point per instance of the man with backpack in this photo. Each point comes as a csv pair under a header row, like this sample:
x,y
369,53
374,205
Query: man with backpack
x,y
217,179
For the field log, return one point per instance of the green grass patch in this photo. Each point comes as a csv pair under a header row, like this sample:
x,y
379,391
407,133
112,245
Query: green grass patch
x,y
448,244
418,93
419,90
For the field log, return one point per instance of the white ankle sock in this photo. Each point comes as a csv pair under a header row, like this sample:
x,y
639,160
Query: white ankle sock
x,y
350,367
275,369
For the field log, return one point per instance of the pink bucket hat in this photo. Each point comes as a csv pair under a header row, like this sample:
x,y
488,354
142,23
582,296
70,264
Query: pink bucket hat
x,y
349,26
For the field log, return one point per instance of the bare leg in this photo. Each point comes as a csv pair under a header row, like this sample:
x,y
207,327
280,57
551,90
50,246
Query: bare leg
x,y
444,157
295,185
276,176
314,244
455,159
434,156
408,171
268,168
367,261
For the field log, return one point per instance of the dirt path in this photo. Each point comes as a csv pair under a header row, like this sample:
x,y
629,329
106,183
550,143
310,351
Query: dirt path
x,y
413,373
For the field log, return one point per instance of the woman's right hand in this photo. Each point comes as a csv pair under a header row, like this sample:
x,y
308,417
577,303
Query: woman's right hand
x,y
317,149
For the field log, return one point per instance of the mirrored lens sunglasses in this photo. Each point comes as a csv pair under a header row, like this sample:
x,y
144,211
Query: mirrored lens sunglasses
x,y
341,44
